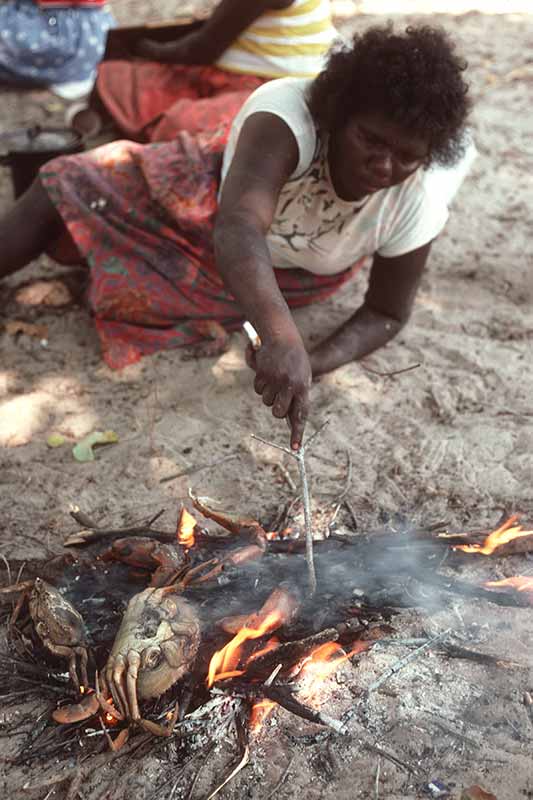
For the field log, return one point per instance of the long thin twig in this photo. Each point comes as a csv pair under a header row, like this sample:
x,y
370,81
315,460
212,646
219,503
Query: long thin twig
x,y
308,521
235,771
199,467
281,781
390,374
398,665
374,748
341,497
299,455
197,776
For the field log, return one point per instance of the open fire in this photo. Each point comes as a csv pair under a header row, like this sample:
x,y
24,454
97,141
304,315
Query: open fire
x,y
508,532
171,664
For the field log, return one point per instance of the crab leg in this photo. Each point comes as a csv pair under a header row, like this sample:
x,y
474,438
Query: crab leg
x,y
191,573
84,659
72,669
121,739
249,553
114,679
161,730
67,652
15,614
107,707
134,661
231,522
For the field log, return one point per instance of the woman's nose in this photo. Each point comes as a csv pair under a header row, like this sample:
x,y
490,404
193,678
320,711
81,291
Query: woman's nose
x,y
382,166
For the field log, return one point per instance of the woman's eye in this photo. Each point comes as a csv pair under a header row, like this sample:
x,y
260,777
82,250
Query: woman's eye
x,y
371,140
408,160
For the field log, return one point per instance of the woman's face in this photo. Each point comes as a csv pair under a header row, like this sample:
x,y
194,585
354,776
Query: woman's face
x,y
370,153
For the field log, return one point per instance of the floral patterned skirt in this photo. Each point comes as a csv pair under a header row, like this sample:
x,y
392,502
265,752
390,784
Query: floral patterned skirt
x,y
142,217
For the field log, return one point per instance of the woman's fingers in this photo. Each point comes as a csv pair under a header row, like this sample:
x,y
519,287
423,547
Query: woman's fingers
x,y
269,395
297,416
282,403
260,384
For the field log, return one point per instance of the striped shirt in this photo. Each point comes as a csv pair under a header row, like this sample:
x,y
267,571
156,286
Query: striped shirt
x,y
291,41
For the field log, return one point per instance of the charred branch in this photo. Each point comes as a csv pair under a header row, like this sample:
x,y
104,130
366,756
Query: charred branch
x,y
289,653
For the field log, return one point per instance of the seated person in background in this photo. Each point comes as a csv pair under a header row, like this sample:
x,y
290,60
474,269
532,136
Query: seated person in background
x,y
316,176
208,74
55,44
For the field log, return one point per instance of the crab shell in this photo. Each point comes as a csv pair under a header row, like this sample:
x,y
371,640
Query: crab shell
x,y
56,620
164,630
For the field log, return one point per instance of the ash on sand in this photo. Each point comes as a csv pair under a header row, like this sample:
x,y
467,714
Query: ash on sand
x,y
451,440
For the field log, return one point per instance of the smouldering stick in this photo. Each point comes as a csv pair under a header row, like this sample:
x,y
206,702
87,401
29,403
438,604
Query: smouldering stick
x,y
299,455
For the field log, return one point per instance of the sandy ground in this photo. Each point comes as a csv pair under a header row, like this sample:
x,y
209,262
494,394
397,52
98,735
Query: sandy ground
x,y
448,440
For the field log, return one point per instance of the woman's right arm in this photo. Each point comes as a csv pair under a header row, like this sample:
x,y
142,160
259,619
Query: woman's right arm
x,y
265,157
229,19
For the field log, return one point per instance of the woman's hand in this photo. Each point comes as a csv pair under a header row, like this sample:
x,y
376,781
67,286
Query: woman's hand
x,y
283,379
180,51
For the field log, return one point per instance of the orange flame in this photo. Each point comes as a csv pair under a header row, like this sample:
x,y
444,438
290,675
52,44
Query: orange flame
x,y
521,583
504,534
186,526
270,645
276,535
260,711
224,662
327,659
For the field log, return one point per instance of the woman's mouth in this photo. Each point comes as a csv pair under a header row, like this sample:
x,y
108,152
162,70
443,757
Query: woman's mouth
x,y
375,186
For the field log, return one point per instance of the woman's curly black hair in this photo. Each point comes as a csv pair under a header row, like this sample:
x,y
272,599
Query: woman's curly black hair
x,y
415,78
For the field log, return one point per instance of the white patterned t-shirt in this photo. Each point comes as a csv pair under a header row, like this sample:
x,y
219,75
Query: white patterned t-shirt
x,y
315,229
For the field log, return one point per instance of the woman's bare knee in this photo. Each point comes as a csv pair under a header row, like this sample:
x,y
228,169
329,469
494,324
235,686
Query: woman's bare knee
x,y
28,228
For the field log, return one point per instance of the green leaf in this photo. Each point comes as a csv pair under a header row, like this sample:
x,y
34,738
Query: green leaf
x,y
55,440
83,451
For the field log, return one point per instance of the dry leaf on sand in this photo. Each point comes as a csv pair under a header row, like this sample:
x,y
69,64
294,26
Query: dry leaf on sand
x,y
16,326
44,293
477,793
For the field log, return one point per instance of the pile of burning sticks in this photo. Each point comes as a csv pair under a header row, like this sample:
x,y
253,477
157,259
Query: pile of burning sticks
x,y
191,633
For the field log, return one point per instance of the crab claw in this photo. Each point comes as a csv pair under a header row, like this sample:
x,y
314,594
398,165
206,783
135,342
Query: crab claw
x,y
77,712
163,560
242,526
106,706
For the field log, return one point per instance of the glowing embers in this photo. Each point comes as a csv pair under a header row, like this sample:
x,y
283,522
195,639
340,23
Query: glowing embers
x,y
324,661
519,583
260,712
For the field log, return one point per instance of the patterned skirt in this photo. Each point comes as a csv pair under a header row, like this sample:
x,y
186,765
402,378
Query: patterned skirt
x,y
142,217
48,47
151,102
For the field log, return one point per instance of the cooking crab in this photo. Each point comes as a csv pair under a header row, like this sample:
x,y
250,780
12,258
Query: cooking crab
x,y
59,626
172,563
160,632
155,646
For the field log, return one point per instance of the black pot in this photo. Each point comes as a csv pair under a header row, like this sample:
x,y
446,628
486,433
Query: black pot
x,y
26,150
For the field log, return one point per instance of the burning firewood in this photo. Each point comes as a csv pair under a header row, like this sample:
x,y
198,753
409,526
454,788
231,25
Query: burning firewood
x,y
281,602
508,539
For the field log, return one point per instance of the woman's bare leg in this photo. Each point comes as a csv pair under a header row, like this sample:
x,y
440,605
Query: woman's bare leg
x,y
27,229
